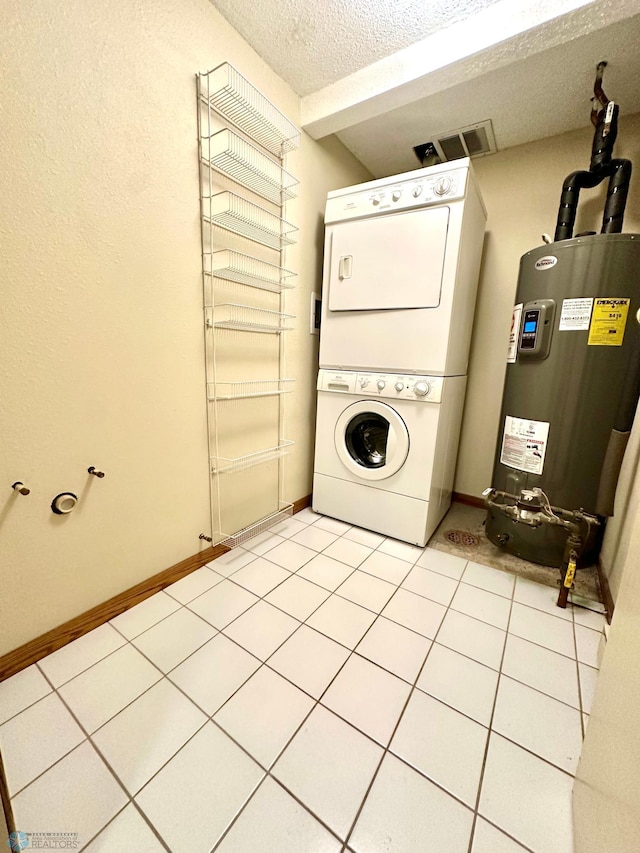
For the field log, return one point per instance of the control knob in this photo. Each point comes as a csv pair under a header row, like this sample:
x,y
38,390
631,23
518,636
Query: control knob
x,y
375,200
380,383
399,386
421,389
395,195
364,383
442,187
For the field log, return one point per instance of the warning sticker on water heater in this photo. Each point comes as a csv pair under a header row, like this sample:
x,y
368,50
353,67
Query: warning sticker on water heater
x,y
512,351
608,322
524,444
576,315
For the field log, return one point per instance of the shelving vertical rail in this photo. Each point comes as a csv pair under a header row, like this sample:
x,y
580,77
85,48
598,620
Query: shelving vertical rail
x,y
244,187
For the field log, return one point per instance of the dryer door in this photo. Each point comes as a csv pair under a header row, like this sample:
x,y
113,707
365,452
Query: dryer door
x,y
388,261
372,440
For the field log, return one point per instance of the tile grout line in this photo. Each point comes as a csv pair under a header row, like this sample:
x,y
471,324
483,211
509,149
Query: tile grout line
x,y
352,652
503,832
210,718
131,797
575,646
82,671
386,749
263,598
6,806
490,725
275,780
88,739
261,663
317,702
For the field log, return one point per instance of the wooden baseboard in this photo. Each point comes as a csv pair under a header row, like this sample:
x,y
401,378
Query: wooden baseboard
x,y
469,500
301,503
35,650
605,591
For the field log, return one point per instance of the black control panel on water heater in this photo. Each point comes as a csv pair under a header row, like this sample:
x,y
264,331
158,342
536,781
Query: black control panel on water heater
x,y
537,326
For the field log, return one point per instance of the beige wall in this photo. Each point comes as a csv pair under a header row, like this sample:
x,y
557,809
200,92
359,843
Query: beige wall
x,y
622,526
607,788
521,189
102,343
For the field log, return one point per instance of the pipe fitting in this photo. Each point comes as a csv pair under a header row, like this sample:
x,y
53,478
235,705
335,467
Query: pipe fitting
x,y
64,503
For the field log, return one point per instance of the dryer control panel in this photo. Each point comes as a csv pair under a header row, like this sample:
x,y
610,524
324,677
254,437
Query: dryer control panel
x,y
424,187
427,389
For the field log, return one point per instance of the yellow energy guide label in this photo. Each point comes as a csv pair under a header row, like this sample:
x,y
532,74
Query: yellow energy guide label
x,y
608,322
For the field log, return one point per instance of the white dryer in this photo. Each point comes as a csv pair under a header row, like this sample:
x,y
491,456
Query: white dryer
x,y
386,448
402,256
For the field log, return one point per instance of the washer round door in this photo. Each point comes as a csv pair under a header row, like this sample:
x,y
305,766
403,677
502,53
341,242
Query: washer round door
x,y
372,440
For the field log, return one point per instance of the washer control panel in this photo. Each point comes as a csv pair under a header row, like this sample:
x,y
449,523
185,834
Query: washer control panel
x,y
420,191
388,386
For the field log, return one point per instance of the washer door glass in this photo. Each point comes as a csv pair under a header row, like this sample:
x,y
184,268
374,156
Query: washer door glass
x,y
371,439
366,439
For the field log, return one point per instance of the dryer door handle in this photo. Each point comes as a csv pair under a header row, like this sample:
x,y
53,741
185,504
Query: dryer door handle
x,y
344,267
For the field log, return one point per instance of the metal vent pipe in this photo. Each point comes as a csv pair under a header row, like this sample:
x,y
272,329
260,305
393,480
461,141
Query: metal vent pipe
x,y
601,167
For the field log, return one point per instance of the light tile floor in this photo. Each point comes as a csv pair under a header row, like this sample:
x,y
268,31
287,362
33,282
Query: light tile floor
x,y
322,690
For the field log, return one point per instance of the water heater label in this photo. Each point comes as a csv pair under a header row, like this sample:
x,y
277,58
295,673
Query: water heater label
x,y
608,322
512,352
524,444
576,315
546,263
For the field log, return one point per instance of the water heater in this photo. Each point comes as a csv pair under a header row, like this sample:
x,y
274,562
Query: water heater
x,y
573,375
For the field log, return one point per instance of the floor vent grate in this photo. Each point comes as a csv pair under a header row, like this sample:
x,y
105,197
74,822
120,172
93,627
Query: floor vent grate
x,y
462,537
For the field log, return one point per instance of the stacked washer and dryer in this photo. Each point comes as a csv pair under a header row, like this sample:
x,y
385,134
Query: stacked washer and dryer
x,y
401,264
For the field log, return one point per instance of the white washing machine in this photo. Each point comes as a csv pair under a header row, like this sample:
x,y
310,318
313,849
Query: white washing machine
x,y
386,448
402,256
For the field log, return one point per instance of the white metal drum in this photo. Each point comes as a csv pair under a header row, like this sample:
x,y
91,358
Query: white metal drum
x,y
402,256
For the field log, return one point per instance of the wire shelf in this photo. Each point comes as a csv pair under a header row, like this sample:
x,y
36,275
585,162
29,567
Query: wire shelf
x,y
221,465
257,527
248,388
243,163
234,213
244,269
246,318
247,147
234,97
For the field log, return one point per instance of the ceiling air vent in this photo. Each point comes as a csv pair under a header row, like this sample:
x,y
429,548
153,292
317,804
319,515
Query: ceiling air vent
x,y
476,140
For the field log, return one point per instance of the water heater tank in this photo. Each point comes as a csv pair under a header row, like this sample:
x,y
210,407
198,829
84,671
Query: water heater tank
x,y
573,372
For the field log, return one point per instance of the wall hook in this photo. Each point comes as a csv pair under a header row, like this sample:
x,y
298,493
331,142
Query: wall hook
x,y
99,474
205,537
20,488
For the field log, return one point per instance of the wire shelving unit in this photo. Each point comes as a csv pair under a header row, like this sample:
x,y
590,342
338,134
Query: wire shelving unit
x,y
244,187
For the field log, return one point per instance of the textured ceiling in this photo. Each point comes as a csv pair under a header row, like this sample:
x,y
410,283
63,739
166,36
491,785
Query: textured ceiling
x,y
539,96
312,44
385,75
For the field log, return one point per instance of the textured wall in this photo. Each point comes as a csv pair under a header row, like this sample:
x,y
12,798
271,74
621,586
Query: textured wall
x,y
102,346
